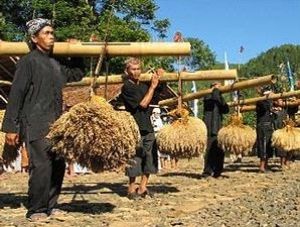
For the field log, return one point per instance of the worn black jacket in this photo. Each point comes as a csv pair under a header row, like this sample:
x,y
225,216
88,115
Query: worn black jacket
x,y
35,99
214,107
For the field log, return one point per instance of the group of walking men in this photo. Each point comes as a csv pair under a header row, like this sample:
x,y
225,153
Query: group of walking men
x,y
35,102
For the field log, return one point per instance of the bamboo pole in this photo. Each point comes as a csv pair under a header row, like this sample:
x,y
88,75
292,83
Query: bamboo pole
x,y
224,89
265,97
167,77
95,49
248,108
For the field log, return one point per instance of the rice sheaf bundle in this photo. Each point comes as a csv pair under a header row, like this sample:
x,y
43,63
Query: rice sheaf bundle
x,y
95,135
236,137
8,154
287,138
186,137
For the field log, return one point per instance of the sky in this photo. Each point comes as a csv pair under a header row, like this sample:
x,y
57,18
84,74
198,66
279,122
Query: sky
x,y
226,25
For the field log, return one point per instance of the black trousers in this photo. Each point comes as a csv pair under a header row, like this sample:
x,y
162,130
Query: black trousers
x,y
214,158
46,173
263,140
146,159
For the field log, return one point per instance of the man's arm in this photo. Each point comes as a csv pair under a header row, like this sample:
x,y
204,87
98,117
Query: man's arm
x,y
154,82
16,98
72,69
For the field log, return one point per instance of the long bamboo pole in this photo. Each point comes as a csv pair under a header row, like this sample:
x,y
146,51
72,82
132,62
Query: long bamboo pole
x,y
228,88
167,77
95,49
271,96
248,108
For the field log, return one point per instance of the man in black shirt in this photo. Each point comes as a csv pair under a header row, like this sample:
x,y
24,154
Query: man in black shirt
x,y
137,97
35,102
214,108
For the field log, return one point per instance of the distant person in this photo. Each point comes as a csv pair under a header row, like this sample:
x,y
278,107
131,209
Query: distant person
x,y
214,108
264,129
157,123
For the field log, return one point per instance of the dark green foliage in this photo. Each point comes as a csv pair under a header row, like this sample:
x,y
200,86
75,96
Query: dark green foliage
x,y
269,61
202,57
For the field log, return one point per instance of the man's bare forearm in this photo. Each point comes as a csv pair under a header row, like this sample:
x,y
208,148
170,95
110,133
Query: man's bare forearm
x,y
147,98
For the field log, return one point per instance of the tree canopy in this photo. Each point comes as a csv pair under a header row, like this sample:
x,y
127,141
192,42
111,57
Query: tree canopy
x,y
268,62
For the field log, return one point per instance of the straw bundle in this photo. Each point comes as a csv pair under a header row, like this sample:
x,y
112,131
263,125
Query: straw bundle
x,y
236,137
287,138
8,154
95,135
186,137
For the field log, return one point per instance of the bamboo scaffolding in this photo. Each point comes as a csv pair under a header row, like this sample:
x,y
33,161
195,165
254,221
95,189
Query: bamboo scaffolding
x,y
96,48
271,96
224,89
167,77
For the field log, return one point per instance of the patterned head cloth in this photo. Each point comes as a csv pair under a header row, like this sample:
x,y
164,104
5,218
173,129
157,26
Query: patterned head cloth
x,y
35,25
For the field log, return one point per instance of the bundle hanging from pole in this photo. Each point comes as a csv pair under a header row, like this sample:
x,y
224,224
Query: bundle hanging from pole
x,y
95,135
8,154
287,138
236,137
185,137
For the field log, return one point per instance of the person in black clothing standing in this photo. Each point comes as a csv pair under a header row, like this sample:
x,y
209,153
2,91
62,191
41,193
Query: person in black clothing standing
x,y
214,107
264,129
279,114
35,102
137,96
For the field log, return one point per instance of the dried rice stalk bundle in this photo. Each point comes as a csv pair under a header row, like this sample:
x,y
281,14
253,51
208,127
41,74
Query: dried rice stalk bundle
x,y
95,135
236,137
287,138
8,154
186,137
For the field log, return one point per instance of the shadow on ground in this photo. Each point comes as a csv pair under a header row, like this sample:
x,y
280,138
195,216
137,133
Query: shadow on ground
x,y
83,206
12,200
114,188
249,167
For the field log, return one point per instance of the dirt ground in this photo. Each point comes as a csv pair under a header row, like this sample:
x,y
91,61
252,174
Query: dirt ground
x,y
240,197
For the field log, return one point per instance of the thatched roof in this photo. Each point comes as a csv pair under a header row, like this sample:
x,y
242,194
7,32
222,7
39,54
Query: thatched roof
x,y
75,95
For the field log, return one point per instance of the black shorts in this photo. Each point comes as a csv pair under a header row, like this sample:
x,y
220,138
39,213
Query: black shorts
x,y
145,160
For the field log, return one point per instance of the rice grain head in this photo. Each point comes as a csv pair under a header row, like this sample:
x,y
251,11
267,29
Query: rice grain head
x,y
186,137
287,138
236,137
95,135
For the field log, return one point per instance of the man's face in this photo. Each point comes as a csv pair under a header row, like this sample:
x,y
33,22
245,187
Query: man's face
x,y
217,85
134,71
44,39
